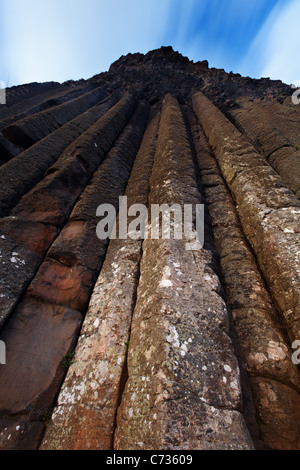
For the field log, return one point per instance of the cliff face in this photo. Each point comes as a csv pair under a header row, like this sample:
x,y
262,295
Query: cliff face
x,y
145,344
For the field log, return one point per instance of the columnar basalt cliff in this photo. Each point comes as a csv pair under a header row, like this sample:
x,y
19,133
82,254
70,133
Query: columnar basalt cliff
x,y
152,343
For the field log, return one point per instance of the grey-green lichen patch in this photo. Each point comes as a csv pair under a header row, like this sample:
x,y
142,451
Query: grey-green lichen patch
x,y
268,210
158,413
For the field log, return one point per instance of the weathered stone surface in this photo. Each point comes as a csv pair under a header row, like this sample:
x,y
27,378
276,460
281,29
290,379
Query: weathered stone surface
x,y
109,181
23,97
34,236
62,285
175,346
77,244
31,129
87,404
23,436
7,149
191,345
23,245
67,275
68,282
45,101
268,211
282,161
261,340
163,413
180,351
255,121
65,181
23,172
18,266
281,404
37,339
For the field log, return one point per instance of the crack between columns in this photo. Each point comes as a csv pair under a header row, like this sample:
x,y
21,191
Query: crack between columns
x,y
268,156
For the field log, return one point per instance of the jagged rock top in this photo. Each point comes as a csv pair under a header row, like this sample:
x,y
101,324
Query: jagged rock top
x,y
143,344
164,70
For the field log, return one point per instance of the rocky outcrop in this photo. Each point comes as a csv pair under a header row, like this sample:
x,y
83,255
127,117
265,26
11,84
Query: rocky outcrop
x,y
183,387
276,139
88,402
262,346
150,342
30,166
267,209
29,130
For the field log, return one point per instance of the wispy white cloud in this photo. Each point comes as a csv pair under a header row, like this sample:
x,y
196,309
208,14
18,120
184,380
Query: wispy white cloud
x,y
274,52
218,30
43,40
34,40
63,39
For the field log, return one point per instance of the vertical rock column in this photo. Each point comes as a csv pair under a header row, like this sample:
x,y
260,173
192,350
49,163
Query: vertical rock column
x,y
45,325
183,390
31,129
39,158
261,340
25,242
278,149
268,210
85,415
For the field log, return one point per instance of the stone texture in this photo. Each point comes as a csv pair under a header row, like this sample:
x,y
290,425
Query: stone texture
x,y
261,341
68,177
66,277
276,401
162,420
180,353
22,173
268,211
274,139
44,101
37,338
145,344
18,265
86,420
31,129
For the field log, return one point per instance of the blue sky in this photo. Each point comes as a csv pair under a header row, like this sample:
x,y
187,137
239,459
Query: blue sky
x,y
45,40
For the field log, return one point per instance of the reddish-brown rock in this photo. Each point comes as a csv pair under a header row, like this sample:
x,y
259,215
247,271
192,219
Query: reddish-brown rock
x,y
99,368
159,344
38,337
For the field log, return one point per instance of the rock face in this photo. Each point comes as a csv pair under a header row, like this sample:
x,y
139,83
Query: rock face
x,y
150,342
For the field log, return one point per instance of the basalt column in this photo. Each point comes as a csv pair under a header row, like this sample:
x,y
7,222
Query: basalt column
x,y
183,388
87,405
